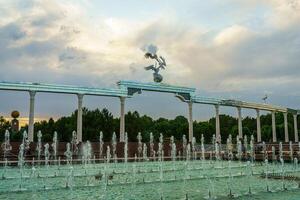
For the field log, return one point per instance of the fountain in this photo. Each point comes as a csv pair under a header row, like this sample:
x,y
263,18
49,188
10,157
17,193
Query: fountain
x,y
160,151
252,149
184,144
194,153
188,152
291,151
25,141
273,154
46,154
246,144
282,174
239,149
176,178
101,143
145,158
265,153
173,152
54,145
68,154
152,153
6,147
114,146
21,162
280,151
140,144
202,148
125,148
213,142
39,146
70,178
74,143
170,144
86,153
217,151
267,174
108,155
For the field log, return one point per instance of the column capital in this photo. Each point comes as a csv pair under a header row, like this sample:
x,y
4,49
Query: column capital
x,y
217,106
32,93
122,99
80,96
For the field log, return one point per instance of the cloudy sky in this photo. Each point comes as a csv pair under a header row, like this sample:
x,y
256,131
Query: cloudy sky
x,y
224,48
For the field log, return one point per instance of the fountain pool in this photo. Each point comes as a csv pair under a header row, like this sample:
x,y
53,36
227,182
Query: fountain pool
x,y
151,180
225,174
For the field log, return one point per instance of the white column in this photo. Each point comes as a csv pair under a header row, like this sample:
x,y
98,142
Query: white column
x,y
274,127
296,128
79,118
218,135
240,125
190,121
122,119
31,116
286,130
258,126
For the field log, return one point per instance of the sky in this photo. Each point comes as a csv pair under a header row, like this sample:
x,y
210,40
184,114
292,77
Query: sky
x,y
224,48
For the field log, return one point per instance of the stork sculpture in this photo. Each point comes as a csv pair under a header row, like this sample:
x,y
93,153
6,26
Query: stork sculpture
x,y
160,63
265,98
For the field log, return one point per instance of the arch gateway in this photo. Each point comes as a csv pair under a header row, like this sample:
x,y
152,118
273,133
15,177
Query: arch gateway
x,y
127,89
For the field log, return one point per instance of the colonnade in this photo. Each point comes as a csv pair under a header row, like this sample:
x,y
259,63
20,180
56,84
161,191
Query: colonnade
x,y
190,121
258,125
240,125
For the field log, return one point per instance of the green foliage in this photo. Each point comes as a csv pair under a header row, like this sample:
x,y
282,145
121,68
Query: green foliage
x,y
4,125
97,120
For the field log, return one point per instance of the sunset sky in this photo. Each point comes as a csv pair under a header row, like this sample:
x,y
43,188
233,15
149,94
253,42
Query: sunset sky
x,y
238,49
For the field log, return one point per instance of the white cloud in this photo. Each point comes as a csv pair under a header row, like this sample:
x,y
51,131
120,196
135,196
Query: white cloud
x,y
57,42
232,35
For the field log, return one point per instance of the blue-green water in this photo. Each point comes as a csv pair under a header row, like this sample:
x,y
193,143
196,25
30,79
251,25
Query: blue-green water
x,y
150,180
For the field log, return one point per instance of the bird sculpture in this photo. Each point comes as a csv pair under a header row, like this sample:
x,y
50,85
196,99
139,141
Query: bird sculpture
x,y
160,63
265,98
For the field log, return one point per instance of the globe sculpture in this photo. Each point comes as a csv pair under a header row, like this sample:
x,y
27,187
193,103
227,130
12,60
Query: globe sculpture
x,y
15,114
15,122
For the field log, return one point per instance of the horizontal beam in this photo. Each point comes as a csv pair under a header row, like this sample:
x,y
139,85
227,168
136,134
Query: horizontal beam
x,y
207,100
66,89
128,88
185,93
242,104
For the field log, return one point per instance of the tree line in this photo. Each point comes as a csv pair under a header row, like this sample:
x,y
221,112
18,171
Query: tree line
x,y
98,120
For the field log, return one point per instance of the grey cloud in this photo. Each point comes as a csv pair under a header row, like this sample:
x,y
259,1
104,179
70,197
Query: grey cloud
x,y
11,31
249,67
274,55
